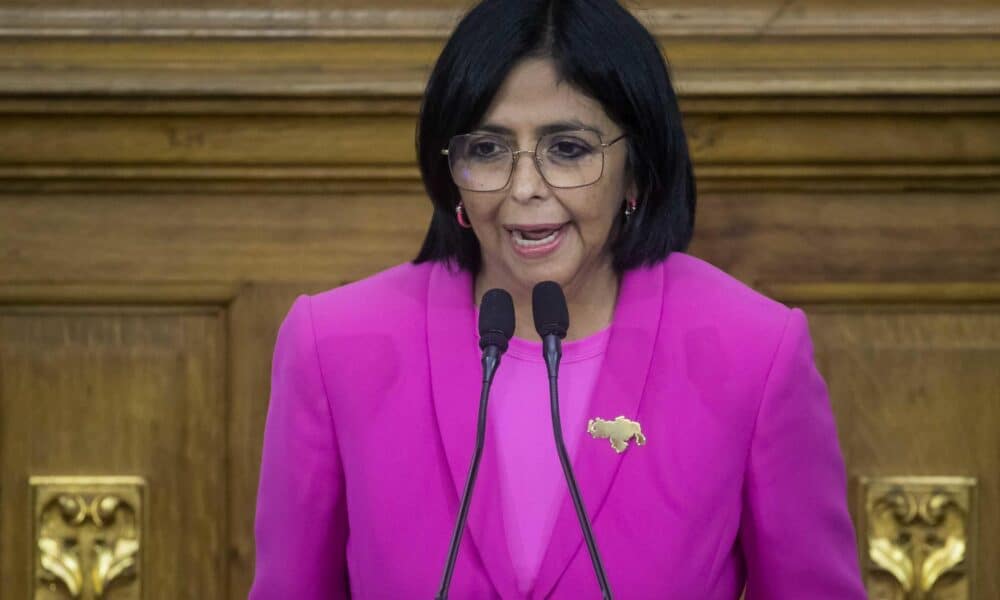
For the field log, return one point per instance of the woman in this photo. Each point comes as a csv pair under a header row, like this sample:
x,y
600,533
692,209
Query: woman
x,y
551,145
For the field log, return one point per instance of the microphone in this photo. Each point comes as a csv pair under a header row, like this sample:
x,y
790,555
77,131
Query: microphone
x,y
496,327
552,321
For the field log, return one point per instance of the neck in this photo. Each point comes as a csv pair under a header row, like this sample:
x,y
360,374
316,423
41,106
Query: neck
x,y
591,302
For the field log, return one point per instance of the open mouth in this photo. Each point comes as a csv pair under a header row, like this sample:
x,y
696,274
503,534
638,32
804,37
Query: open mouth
x,y
535,236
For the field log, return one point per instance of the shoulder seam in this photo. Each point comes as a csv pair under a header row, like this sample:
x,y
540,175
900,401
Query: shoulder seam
x,y
767,382
319,366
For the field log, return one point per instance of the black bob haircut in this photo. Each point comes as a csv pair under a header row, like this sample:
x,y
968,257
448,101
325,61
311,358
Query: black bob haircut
x,y
600,49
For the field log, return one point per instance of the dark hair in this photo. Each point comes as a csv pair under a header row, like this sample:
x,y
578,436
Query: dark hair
x,y
604,52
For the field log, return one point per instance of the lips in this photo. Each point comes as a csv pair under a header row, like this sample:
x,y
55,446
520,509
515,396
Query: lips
x,y
536,240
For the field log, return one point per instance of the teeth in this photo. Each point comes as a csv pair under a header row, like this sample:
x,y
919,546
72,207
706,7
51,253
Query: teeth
x,y
524,242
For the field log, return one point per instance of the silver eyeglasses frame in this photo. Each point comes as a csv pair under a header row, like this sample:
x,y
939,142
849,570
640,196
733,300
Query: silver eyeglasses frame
x,y
516,154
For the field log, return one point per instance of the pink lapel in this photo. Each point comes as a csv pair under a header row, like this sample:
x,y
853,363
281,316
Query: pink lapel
x,y
618,391
456,376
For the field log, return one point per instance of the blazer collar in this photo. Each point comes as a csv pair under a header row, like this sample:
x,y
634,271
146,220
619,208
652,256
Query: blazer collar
x,y
456,377
619,390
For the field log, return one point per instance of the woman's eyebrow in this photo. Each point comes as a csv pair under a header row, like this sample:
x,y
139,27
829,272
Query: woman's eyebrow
x,y
554,127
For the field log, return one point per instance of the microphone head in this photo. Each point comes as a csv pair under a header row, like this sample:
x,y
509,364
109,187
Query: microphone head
x,y
496,319
548,304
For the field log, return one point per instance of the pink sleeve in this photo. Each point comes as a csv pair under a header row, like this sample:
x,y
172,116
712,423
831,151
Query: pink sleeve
x,y
796,534
301,523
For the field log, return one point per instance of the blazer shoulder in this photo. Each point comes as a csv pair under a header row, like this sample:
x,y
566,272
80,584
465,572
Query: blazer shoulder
x,y
396,297
707,296
729,335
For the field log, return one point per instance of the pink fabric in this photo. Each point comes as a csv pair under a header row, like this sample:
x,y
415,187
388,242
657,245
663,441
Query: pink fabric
x,y
532,483
371,426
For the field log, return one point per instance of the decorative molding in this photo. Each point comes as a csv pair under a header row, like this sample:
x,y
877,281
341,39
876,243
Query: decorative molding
x,y
292,80
100,98
882,293
252,172
761,18
917,534
832,104
88,536
380,179
313,146
765,48
117,294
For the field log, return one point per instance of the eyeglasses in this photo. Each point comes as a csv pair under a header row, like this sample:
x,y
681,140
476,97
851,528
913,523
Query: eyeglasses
x,y
484,162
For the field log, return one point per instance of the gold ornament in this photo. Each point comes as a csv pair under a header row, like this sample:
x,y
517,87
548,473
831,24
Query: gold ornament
x,y
619,432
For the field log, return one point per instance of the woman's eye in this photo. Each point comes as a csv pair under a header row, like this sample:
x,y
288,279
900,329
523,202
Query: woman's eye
x,y
568,148
485,149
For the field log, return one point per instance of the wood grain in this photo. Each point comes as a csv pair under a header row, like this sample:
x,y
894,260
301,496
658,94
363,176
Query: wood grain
x,y
839,237
397,66
765,237
107,394
388,140
252,325
206,239
436,17
173,174
917,392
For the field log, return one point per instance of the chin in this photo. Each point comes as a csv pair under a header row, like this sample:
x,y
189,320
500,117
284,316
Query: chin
x,y
533,274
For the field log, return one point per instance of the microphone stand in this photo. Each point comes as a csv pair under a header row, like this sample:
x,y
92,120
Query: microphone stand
x,y
491,358
552,350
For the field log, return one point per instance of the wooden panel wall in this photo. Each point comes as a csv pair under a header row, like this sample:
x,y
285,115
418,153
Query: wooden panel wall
x,y
120,391
172,174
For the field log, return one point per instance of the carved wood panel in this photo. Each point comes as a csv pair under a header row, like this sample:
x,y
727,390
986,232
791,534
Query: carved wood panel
x,y
173,174
916,391
113,391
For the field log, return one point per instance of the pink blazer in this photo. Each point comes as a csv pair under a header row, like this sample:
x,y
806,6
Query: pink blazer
x,y
372,420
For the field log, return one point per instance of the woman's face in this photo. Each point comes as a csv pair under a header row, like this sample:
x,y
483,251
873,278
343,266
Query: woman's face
x,y
530,231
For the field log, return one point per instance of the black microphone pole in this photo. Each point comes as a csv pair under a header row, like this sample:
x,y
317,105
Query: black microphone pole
x,y
496,327
552,321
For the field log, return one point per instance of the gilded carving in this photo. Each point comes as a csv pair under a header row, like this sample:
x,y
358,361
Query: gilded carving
x,y
88,533
916,535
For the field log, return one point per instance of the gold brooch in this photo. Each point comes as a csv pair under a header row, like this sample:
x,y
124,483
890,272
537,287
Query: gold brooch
x,y
619,432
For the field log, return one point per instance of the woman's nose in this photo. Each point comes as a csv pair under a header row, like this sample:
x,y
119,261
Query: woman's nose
x,y
526,179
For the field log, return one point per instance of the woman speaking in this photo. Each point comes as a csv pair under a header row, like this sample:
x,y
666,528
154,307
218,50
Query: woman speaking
x,y
699,431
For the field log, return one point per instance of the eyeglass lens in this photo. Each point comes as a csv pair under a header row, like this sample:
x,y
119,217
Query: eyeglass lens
x,y
484,161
